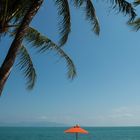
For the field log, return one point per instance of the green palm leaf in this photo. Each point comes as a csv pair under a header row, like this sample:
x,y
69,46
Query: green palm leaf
x,y
70,65
21,9
91,16
13,9
42,43
136,2
26,66
12,13
135,24
124,7
90,13
78,3
64,24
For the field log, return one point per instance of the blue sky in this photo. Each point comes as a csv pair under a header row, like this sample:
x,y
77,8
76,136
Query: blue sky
x,y
106,91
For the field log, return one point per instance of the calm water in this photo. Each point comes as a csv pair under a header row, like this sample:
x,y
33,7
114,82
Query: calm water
x,y
95,133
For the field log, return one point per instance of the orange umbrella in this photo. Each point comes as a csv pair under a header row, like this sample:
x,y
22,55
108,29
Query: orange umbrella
x,y
76,129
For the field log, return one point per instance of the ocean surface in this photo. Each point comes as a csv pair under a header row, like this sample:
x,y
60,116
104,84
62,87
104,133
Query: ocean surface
x,y
57,133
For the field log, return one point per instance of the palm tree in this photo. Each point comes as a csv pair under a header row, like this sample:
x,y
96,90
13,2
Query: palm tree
x,y
15,18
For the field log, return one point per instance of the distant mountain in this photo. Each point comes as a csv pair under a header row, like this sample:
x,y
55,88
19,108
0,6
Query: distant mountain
x,y
33,124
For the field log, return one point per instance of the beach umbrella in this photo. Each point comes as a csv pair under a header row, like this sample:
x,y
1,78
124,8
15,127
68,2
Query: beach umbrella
x,y
76,129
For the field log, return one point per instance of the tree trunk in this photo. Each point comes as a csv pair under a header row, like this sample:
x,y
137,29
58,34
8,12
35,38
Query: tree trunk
x,y
11,55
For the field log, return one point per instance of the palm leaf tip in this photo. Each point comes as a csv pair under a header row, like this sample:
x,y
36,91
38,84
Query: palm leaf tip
x,y
90,13
91,16
71,69
135,24
124,7
136,2
26,66
64,24
70,65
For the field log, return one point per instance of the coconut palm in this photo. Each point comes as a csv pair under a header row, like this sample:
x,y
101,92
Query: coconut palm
x,y
15,18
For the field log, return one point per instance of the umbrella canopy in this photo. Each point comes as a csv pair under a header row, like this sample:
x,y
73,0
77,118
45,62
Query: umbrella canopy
x,y
76,129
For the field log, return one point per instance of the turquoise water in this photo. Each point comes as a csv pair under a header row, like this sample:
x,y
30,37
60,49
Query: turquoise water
x,y
57,133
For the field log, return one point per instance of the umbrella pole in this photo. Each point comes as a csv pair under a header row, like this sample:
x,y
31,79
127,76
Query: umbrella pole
x,y
76,136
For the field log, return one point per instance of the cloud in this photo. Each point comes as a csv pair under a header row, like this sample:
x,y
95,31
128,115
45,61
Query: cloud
x,y
43,118
122,113
121,116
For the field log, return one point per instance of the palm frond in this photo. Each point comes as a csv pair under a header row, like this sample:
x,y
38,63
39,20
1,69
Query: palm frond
x,y
135,24
78,3
124,7
136,2
91,16
71,67
20,9
90,13
10,9
64,24
42,43
26,66
11,13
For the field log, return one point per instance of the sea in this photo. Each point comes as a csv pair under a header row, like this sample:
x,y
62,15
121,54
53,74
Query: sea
x,y
57,133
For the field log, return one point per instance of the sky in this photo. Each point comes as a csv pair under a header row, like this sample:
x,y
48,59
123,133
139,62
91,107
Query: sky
x,y
106,90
